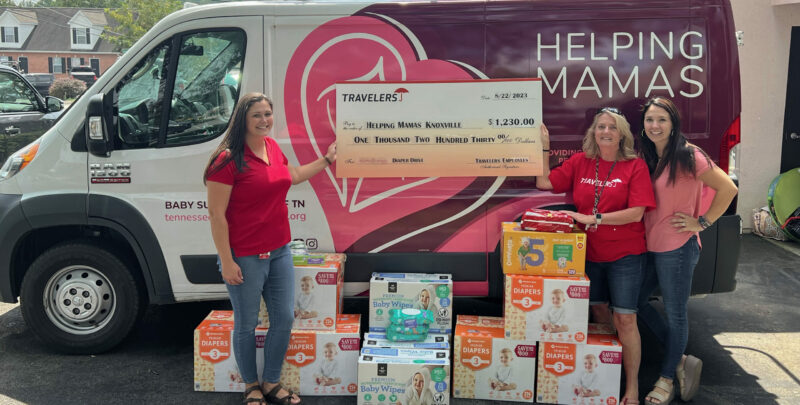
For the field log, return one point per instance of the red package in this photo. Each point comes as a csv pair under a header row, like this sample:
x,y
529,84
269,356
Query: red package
x,y
546,221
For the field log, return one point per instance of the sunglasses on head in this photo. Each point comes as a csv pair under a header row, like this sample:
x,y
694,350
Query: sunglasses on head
x,y
613,110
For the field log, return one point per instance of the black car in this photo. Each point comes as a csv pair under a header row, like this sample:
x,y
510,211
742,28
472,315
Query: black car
x,y
84,73
41,81
24,113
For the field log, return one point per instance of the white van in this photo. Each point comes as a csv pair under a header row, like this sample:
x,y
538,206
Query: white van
x,y
106,212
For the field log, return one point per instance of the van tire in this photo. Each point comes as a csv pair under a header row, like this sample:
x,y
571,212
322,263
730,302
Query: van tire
x,y
80,298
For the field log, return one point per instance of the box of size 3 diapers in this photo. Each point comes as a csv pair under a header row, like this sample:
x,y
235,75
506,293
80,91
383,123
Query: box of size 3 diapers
x,y
318,283
401,380
550,309
580,374
543,253
433,292
486,365
215,367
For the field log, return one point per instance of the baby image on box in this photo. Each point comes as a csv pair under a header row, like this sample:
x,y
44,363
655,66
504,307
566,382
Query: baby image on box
x,y
426,300
418,391
328,372
556,318
589,382
501,381
304,305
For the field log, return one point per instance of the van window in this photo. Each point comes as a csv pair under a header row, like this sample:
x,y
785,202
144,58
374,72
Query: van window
x,y
206,85
200,87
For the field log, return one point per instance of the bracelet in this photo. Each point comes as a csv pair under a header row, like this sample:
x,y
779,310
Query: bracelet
x,y
327,160
703,222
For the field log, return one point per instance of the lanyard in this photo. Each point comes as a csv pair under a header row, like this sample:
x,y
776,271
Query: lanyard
x,y
599,192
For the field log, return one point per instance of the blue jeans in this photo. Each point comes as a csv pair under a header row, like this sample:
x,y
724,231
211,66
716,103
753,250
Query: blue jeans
x,y
616,283
673,272
272,278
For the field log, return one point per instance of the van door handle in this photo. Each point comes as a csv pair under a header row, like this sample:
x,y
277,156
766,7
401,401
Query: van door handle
x,y
12,130
794,136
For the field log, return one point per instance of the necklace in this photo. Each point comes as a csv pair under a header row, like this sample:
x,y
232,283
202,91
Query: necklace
x,y
598,190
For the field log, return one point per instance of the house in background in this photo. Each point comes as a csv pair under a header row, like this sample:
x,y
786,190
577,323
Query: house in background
x,y
53,39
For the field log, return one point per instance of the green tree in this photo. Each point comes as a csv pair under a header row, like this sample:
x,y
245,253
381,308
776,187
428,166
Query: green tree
x,y
135,17
7,3
79,3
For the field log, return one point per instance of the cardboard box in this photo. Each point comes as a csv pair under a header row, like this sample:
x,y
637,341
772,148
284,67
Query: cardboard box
x,y
543,253
400,380
322,362
318,283
419,354
580,374
433,341
312,355
480,320
601,329
550,309
433,292
486,365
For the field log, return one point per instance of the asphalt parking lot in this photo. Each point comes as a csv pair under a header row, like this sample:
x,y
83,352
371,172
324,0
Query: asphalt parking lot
x,y
748,339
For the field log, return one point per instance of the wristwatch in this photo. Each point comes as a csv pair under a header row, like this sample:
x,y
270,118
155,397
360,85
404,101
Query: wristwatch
x,y
598,218
703,222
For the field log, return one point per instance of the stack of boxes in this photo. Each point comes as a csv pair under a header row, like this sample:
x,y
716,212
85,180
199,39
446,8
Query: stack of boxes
x,y
547,300
417,372
323,347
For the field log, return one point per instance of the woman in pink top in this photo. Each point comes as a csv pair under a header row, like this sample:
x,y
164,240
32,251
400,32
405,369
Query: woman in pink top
x,y
679,171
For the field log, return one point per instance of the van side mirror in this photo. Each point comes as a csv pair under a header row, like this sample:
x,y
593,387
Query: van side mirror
x,y
100,127
53,104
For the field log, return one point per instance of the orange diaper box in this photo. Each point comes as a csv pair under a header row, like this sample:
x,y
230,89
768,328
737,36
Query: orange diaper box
x,y
318,282
543,253
542,308
489,366
580,374
316,363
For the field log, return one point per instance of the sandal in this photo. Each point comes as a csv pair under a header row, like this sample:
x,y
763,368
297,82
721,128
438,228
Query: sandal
x,y
250,390
658,395
272,396
629,401
689,377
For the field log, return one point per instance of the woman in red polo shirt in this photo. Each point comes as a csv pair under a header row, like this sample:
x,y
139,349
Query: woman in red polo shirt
x,y
611,189
248,178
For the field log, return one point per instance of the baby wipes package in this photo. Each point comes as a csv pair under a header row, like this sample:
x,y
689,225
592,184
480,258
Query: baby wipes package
x,y
323,362
543,253
580,374
419,354
318,282
431,341
401,380
432,292
549,309
486,365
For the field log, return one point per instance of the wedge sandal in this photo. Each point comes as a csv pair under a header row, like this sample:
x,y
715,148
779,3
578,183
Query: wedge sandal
x,y
688,377
658,395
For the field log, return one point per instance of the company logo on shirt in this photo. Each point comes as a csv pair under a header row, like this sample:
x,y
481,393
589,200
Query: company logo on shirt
x,y
610,184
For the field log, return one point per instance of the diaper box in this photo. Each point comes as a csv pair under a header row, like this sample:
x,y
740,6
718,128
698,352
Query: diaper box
x,y
432,341
543,253
580,374
215,367
433,292
323,362
486,365
317,363
480,320
318,283
404,381
550,309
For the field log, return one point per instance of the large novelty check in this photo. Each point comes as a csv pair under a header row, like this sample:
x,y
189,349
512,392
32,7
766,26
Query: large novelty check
x,y
431,129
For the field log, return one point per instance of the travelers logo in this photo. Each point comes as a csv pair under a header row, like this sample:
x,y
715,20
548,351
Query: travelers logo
x,y
394,97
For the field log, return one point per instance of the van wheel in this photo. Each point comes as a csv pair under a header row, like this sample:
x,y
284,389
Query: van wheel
x,y
80,299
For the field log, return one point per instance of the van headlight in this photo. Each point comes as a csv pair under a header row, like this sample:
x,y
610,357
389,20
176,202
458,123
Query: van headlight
x,y
19,160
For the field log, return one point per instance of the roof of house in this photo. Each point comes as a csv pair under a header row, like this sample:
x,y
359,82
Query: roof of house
x,y
52,31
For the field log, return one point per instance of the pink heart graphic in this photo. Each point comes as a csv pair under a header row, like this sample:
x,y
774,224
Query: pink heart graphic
x,y
359,49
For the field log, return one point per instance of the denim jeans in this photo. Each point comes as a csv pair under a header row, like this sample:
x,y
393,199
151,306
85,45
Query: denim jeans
x,y
617,282
672,271
272,278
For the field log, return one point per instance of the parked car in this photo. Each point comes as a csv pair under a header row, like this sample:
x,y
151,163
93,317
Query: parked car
x,y
84,73
24,113
41,81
